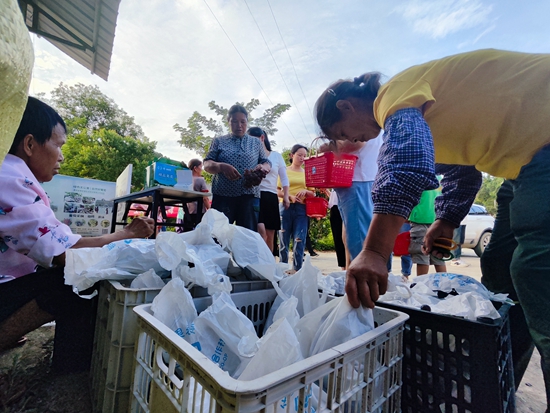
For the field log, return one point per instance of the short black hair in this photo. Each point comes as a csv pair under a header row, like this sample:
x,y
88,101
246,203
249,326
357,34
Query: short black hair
x,y
39,120
193,163
236,109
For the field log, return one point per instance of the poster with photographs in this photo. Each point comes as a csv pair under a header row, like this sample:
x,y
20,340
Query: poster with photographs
x,y
85,205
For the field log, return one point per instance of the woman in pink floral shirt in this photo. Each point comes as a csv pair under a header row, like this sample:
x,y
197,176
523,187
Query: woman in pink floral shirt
x,y
33,244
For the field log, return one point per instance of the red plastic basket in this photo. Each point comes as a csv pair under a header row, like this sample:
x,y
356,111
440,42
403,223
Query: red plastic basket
x,y
316,207
330,170
402,242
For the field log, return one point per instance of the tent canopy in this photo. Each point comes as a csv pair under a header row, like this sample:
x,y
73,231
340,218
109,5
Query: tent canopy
x,y
83,29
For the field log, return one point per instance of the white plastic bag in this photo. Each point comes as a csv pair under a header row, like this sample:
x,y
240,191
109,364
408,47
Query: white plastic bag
x,y
303,286
149,279
306,329
247,247
445,293
332,283
342,324
225,335
287,310
278,348
174,307
120,260
195,257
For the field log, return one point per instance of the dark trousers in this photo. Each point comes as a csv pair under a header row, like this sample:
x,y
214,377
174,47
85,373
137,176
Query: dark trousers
x,y
242,210
74,316
336,228
516,261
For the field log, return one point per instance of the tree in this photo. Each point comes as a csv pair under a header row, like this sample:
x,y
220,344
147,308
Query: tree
x,y
85,107
487,194
104,154
102,139
200,130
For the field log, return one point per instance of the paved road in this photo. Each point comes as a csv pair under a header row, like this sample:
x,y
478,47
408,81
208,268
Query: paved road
x,y
530,396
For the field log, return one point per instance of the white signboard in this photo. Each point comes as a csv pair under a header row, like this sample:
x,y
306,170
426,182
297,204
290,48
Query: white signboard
x,y
85,205
124,182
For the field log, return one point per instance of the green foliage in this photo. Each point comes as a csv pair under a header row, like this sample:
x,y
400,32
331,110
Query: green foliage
x,y
104,154
487,194
102,139
319,230
325,244
86,108
200,130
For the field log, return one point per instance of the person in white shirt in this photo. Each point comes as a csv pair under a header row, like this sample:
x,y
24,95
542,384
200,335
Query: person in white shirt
x,y
269,219
355,202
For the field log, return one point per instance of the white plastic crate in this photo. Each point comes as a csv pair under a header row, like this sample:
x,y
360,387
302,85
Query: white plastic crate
x,y
115,336
361,375
114,342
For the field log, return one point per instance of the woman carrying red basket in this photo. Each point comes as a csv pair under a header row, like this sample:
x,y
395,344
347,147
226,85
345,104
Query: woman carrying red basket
x,y
294,218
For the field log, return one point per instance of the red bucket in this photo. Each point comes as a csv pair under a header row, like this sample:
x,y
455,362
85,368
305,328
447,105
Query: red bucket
x,y
316,207
402,242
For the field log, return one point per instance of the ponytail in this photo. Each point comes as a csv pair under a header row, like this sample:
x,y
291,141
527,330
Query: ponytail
x,y
364,87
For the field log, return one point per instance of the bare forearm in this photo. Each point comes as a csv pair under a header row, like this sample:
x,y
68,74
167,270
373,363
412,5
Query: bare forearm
x,y
382,233
212,167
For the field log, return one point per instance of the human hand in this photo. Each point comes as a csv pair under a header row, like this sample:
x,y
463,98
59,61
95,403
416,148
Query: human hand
x,y
140,227
229,171
253,177
366,279
439,229
286,201
301,196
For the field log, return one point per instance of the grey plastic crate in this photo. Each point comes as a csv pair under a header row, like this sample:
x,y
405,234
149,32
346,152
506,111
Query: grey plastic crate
x,y
115,337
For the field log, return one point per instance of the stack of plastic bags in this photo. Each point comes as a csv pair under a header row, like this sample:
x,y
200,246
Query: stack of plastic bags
x,y
300,324
445,293
209,256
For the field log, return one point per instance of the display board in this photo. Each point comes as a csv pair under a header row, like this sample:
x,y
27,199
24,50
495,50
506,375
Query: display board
x,y
85,205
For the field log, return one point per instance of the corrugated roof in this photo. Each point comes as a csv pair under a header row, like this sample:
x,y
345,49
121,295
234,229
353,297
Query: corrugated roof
x,y
83,29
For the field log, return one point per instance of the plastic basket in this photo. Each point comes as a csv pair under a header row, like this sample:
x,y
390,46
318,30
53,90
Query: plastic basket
x,y
116,331
328,170
362,375
455,365
316,207
402,242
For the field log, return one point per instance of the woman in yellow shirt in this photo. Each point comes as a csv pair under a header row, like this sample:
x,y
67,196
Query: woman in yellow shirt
x,y
294,218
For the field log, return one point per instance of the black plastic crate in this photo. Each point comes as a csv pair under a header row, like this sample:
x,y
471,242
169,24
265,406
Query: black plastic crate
x,y
455,365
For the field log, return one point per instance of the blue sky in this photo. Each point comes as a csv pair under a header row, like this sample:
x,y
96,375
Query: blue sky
x,y
171,57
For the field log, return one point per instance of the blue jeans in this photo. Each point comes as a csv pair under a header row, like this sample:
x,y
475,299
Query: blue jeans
x,y
355,205
516,261
294,224
241,210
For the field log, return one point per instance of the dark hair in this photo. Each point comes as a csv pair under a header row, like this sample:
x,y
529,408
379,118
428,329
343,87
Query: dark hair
x,y
236,109
38,120
193,163
258,132
296,148
364,87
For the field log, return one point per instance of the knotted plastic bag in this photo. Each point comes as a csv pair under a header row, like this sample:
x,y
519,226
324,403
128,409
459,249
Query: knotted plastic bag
x,y
225,335
174,307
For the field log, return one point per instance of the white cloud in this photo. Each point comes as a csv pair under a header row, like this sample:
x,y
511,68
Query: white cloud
x,y
439,18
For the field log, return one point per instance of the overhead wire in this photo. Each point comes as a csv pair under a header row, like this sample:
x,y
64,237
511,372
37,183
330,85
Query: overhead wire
x,y
276,65
247,66
290,58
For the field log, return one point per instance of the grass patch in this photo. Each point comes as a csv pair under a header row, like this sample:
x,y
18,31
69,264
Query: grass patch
x,y
27,384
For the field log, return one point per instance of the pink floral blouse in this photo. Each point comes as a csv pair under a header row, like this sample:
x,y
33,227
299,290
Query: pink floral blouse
x,y
30,234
